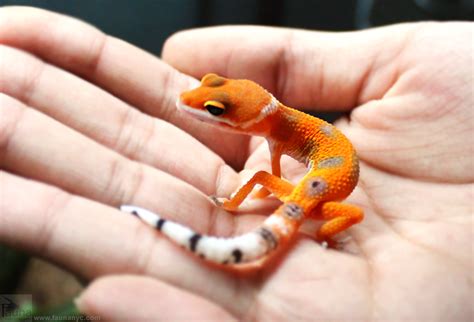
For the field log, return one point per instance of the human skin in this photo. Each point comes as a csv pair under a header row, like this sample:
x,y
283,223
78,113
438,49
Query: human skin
x,y
72,149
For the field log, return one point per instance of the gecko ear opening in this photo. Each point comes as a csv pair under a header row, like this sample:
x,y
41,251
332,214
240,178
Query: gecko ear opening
x,y
212,80
216,108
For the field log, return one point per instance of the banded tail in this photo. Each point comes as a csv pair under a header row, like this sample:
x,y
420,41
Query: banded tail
x,y
244,248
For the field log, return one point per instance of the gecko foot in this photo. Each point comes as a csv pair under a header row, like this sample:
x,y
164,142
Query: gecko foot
x,y
324,244
335,244
217,200
222,203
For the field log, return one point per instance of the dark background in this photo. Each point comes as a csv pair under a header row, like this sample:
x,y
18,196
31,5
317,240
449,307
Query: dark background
x,y
147,23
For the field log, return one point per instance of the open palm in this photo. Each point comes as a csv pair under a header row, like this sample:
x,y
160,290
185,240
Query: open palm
x,y
408,89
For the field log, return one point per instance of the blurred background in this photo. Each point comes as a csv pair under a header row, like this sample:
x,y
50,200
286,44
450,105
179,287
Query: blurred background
x,y
147,24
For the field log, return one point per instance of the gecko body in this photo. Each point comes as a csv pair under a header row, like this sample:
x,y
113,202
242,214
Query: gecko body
x,y
245,107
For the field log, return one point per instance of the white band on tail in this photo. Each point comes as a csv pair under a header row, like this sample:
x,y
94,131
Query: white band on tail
x,y
240,249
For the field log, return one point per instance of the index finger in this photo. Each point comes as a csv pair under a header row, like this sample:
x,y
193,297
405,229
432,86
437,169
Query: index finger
x,y
128,72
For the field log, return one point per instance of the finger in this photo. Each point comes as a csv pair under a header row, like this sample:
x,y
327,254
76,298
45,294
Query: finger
x,y
111,122
143,81
61,227
35,146
143,298
401,136
302,68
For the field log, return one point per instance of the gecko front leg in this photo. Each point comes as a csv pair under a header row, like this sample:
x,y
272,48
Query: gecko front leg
x,y
275,155
279,187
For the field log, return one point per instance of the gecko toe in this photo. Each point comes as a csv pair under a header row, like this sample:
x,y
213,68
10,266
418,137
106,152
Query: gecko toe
x,y
218,201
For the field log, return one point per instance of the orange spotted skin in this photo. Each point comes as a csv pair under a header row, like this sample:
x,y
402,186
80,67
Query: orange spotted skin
x,y
245,107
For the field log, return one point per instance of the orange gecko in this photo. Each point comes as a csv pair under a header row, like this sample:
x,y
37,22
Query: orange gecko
x,y
243,106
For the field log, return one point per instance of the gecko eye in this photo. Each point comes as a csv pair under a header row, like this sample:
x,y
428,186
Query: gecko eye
x,y
216,108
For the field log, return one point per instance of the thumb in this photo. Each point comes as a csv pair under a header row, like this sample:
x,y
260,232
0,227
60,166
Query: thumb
x,y
308,69
140,298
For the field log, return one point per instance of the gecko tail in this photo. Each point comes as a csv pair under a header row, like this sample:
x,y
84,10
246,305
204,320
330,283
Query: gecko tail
x,y
244,248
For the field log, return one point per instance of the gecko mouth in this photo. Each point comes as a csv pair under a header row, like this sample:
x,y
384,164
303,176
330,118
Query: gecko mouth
x,y
204,115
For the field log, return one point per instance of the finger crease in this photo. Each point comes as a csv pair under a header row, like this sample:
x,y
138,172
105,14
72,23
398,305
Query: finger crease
x,y
134,183
211,226
218,177
145,242
58,202
166,101
122,141
97,52
32,84
146,138
7,131
112,190
282,66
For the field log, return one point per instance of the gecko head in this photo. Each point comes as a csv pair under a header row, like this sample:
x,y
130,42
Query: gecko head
x,y
229,103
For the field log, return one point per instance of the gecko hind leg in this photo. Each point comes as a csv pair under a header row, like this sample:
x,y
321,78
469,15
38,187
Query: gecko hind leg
x,y
279,187
339,217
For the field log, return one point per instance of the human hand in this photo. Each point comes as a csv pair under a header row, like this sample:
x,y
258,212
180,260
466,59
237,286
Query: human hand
x,y
71,152
408,93
61,226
